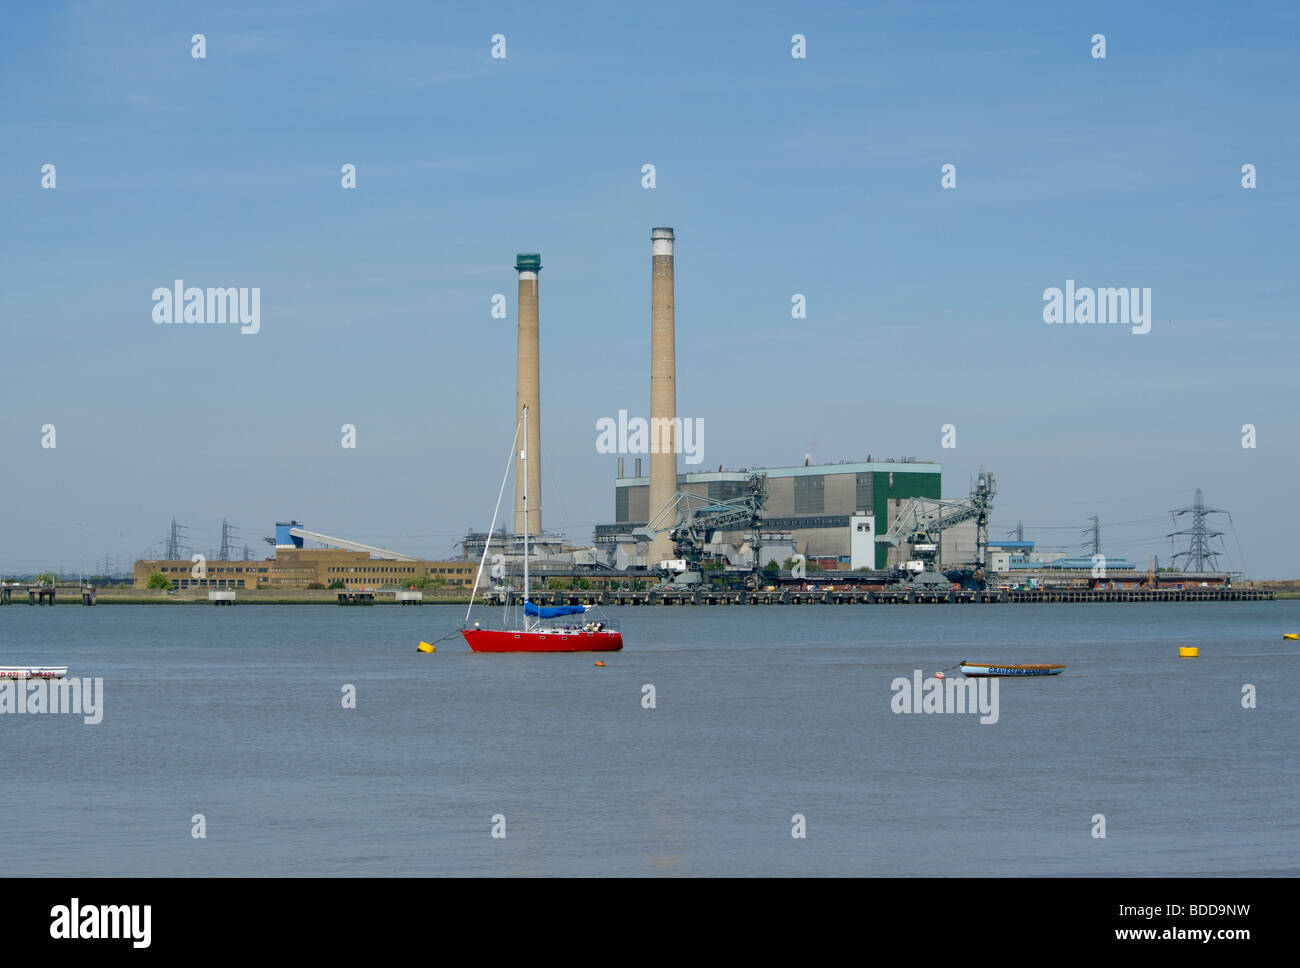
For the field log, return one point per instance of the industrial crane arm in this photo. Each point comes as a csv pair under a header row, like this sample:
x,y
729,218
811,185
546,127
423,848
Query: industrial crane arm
x,y
691,518
927,514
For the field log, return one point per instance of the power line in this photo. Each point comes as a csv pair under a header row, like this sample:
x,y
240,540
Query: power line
x,y
1128,499
1137,541
1232,524
1072,527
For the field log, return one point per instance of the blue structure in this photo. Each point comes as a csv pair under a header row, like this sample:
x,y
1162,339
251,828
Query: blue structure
x,y
283,539
552,611
1073,564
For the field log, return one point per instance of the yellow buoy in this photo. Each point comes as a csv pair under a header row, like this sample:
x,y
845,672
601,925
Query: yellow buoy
x,y
426,647
1187,652
1290,635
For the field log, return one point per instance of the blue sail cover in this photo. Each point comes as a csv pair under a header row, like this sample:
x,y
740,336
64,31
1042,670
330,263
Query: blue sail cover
x,y
551,611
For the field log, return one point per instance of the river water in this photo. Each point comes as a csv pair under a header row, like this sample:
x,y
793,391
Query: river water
x,y
761,713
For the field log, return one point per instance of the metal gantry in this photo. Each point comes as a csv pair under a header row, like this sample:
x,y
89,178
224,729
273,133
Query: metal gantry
x,y
925,518
692,518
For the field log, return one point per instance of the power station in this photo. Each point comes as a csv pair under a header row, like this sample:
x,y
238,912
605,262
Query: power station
x,y
879,521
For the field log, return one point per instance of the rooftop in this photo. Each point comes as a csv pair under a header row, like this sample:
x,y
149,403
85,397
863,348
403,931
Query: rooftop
x,y
905,465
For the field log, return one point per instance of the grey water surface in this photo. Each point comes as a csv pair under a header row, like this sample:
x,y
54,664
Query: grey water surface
x,y
761,713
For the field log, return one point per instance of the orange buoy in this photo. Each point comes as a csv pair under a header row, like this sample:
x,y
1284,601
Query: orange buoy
x,y
601,664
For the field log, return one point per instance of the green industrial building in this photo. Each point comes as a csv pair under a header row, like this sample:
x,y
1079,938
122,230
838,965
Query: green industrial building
x,y
814,503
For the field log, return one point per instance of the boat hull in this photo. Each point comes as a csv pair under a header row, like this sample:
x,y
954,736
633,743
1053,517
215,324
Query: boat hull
x,y
979,670
494,640
33,672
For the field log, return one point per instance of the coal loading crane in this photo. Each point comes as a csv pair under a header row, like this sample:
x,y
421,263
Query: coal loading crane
x,y
920,525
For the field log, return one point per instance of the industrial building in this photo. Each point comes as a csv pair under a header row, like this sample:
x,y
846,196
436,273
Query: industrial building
x,y
813,506
354,565
308,568
836,515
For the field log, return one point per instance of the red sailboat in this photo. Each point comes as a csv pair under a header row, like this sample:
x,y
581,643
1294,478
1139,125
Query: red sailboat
x,y
535,632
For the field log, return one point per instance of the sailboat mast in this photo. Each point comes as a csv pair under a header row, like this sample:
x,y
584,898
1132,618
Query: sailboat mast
x,y
524,455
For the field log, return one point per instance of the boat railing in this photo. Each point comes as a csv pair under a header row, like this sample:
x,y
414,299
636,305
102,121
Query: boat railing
x,y
562,623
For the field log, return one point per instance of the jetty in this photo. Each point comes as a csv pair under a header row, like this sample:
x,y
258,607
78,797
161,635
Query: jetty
x,y
46,594
856,596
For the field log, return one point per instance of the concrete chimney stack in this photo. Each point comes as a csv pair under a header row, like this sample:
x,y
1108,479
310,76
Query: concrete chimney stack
x,y
527,394
638,467
663,387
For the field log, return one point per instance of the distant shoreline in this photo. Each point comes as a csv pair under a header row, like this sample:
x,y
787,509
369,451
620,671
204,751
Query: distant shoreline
x,y
136,596
261,601
130,596
387,597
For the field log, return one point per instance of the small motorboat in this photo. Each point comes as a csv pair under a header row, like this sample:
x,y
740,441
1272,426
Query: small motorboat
x,y
33,672
981,670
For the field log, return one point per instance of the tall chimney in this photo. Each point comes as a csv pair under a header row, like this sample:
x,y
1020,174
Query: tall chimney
x,y
527,381
620,468
663,388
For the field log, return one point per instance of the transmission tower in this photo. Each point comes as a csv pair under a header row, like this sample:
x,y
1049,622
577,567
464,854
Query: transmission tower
x,y
1093,544
175,542
1199,554
1018,532
227,532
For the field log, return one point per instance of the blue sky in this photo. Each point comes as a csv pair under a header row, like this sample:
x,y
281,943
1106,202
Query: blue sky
x,y
817,176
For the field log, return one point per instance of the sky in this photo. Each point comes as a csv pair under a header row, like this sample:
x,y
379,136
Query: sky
x,y
818,176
